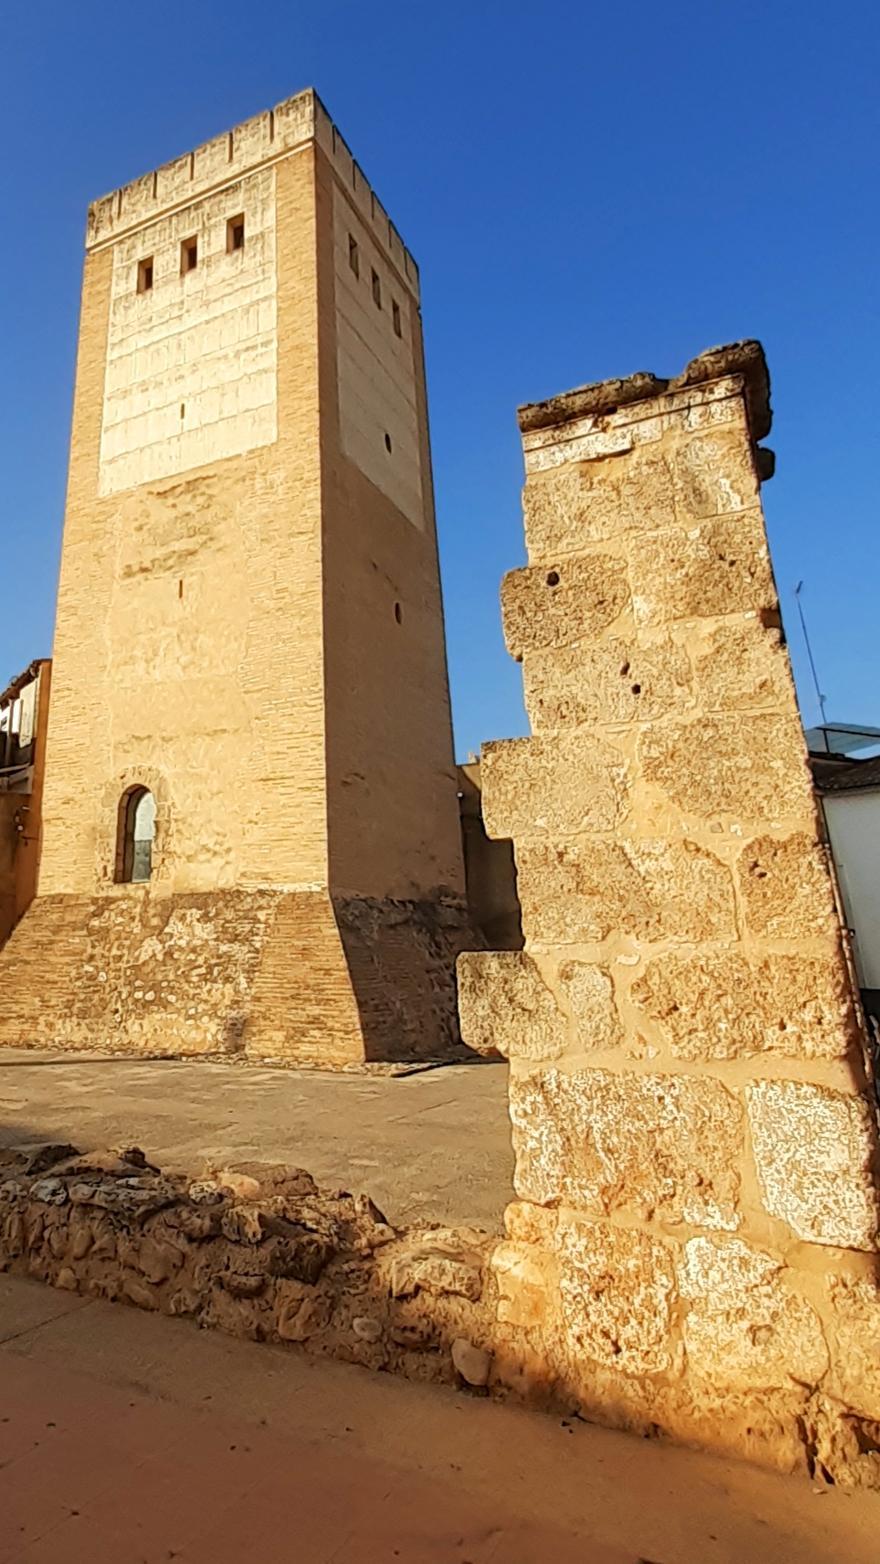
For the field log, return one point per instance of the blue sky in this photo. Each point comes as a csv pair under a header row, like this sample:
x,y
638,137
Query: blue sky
x,y
589,189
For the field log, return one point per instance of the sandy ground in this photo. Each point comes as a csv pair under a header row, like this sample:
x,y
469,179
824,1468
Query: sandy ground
x,y
433,1146
133,1439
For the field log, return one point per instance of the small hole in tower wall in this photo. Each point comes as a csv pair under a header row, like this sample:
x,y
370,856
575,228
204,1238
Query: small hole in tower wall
x,y
398,613
388,442
180,589
552,578
354,260
377,290
235,234
145,275
189,255
395,317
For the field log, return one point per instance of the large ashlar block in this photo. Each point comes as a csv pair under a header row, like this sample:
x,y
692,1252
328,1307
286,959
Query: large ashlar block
x,y
724,766
785,888
587,502
552,605
556,785
611,681
664,1146
719,566
588,992
616,1292
582,891
715,474
855,1380
815,1156
504,1004
745,1329
742,665
721,1005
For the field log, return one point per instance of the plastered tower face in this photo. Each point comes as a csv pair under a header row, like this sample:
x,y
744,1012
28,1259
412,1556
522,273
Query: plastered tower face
x,y
694,1244
250,626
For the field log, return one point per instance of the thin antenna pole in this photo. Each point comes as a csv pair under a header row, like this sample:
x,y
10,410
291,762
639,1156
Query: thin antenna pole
x,y
819,696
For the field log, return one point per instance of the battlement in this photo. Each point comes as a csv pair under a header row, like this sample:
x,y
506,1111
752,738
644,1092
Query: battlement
x,y
253,144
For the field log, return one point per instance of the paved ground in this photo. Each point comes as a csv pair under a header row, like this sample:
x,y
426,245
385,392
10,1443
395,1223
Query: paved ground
x,y
433,1146
126,1438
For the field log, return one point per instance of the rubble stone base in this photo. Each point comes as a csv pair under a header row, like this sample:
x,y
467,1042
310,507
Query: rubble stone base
x,y
303,976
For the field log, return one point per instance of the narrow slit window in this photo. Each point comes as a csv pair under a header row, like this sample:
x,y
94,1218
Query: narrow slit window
x,y
145,274
235,234
354,259
189,255
395,318
377,290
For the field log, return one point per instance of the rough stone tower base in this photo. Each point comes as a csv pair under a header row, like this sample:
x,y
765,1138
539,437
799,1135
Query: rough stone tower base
x,y
301,976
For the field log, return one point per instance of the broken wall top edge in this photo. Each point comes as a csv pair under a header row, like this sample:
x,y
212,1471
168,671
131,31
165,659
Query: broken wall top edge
x,y
744,358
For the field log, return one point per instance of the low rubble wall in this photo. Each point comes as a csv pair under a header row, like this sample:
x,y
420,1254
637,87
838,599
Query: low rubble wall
x,y
258,1251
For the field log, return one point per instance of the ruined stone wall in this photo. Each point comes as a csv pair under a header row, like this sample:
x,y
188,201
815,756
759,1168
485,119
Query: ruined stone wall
x,y
693,1249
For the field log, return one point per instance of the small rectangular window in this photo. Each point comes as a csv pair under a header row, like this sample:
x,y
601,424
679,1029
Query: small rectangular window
x,y
377,289
235,234
189,255
395,317
353,257
145,274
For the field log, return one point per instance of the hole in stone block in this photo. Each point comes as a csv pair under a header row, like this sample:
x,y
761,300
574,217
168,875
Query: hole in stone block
x,y
235,234
387,442
395,318
354,259
398,613
145,274
377,289
636,689
552,578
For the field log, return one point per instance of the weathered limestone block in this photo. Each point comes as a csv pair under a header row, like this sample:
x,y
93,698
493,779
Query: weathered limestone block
x,y
588,991
745,1329
725,766
855,1377
785,888
528,1280
720,1005
553,605
552,785
611,681
715,474
505,1004
651,1145
586,502
815,1156
582,891
742,664
616,1292
719,567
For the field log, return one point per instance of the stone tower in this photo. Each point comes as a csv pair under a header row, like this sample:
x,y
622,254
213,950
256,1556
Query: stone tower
x,y
249,630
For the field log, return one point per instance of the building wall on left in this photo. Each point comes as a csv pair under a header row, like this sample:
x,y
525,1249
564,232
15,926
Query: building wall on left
x,y
24,712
